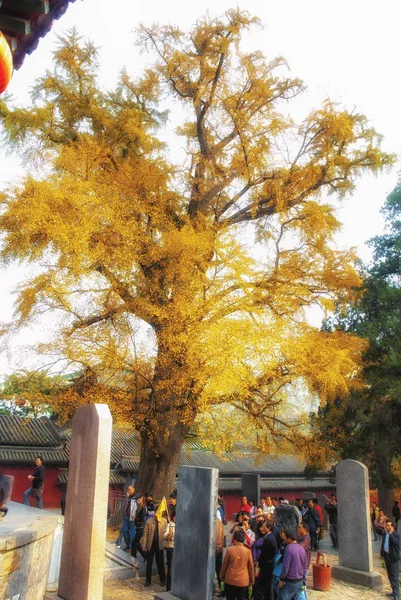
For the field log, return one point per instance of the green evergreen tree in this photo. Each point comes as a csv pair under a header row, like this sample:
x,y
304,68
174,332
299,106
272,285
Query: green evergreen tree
x,y
368,425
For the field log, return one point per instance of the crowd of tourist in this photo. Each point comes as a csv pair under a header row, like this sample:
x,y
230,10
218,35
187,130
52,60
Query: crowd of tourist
x,y
262,561
265,562
149,532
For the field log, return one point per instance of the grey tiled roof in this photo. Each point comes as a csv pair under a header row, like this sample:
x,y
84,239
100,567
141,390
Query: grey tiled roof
x,y
229,464
124,443
116,478
233,484
23,431
129,465
28,455
21,440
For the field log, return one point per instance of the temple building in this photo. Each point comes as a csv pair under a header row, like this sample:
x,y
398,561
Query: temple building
x,y
22,439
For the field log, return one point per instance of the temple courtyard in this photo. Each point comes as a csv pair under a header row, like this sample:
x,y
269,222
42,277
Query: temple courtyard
x,y
132,589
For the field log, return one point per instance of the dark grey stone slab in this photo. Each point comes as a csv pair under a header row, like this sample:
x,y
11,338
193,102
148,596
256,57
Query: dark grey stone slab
x,y
370,579
354,535
6,487
288,517
165,596
307,496
195,544
250,487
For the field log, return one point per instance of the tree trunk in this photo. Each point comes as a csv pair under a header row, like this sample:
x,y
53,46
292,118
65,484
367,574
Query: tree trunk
x,y
171,412
384,482
158,466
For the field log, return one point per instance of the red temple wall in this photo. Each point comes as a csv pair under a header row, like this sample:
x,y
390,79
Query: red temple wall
x,y
51,493
233,501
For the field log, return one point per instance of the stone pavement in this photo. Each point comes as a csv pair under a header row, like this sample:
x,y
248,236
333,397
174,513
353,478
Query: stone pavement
x,y
341,590
132,589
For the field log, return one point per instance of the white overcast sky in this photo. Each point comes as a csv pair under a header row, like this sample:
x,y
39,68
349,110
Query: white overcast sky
x,y
349,50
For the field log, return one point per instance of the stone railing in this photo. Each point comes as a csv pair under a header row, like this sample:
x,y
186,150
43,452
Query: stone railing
x,y
29,552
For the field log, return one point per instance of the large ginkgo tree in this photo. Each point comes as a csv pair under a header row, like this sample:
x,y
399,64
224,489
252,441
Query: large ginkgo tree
x,y
180,285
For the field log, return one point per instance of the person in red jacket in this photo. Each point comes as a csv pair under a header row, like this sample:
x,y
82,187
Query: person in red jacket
x,y
245,505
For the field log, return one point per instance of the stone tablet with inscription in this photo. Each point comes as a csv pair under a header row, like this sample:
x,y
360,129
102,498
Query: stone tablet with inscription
x,y
250,487
354,527
84,541
6,486
194,559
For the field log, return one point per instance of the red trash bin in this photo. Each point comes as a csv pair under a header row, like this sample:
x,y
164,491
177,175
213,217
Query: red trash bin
x,y
321,574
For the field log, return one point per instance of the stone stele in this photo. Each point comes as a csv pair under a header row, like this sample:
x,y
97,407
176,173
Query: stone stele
x,y
288,517
195,545
354,528
84,541
6,487
250,487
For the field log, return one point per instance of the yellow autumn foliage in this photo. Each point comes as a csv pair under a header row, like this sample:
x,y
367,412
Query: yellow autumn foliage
x,y
149,267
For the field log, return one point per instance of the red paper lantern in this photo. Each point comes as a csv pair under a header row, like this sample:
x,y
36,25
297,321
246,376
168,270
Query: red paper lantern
x,y
6,63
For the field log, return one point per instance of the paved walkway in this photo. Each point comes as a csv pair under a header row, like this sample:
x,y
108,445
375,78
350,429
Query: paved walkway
x,y
133,589
340,590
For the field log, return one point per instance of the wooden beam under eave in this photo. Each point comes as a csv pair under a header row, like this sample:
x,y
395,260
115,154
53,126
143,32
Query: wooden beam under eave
x,y
31,6
15,25
12,42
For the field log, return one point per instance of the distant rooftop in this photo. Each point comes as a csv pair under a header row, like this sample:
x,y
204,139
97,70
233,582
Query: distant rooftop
x,y
22,439
27,432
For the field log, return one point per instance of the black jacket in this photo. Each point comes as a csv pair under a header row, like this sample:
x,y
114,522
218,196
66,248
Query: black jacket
x,y
311,517
140,517
396,512
331,510
393,546
38,478
267,554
